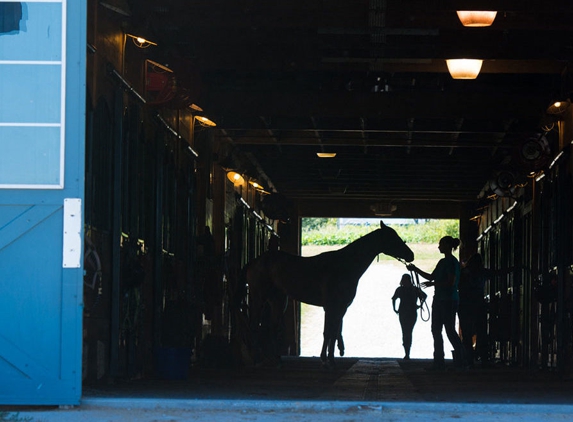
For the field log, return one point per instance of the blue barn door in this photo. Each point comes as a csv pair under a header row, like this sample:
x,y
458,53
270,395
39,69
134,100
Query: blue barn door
x,y
42,131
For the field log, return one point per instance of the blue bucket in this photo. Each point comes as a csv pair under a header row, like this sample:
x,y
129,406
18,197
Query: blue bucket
x,y
172,363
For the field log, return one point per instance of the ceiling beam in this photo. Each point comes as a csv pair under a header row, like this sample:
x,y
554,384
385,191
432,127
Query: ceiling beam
x,y
437,105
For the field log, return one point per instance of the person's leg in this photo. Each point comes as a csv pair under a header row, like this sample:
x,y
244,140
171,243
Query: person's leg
x,y
450,326
437,324
407,321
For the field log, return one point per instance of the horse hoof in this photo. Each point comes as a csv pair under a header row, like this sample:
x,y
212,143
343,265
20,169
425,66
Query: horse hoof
x,y
342,353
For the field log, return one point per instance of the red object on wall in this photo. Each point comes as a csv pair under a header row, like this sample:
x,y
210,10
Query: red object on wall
x,y
156,81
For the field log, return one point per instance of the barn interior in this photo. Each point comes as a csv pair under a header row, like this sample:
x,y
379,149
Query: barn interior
x,y
184,95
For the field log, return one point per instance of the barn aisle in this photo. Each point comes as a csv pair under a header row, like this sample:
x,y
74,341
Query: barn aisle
x,y
365,389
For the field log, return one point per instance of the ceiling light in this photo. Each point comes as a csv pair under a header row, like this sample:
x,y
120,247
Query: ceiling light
x,y
235,177
464,68
140,41
205,121
558,107
326,154
476,18
258,187
383,209
255,184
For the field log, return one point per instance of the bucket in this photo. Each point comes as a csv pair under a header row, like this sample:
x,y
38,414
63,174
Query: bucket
x,y
172,363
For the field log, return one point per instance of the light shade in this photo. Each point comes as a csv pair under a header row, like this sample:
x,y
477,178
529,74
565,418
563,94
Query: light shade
x,y
140,41
256,184
258,187
476,18
464,68
235,177
205,121
558,107
326,154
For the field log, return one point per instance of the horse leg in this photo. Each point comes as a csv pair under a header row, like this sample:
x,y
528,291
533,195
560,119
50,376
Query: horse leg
x,y
335,332
330,335
324,341
340,341
332,329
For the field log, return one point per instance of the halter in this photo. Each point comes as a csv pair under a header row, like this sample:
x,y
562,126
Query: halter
x,y
414,275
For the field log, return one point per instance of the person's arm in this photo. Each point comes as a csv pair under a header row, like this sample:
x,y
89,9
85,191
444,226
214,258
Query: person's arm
x,y
394,300
427,276
422,296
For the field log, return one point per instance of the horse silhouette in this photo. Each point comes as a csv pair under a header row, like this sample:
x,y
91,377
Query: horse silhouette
x,y
329,280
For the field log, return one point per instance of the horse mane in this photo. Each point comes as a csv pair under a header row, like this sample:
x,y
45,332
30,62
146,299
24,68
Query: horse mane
x,y
366,245
358,254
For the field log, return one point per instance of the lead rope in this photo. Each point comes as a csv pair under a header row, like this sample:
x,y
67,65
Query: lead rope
x,y
423,302
424,315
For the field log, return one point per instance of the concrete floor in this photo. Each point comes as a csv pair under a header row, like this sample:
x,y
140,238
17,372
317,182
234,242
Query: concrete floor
x,y
366,389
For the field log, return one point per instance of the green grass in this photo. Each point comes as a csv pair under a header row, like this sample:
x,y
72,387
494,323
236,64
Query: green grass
x,y
422,252
328,232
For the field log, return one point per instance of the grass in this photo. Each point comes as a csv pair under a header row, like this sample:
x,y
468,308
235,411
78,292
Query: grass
x,y
426,254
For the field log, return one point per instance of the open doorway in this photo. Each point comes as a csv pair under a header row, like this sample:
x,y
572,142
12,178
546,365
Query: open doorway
x,y
371,328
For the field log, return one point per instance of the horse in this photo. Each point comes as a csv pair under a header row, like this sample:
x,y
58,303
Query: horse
x,y
329,280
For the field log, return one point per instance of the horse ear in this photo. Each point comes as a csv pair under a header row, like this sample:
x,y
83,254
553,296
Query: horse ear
x,y
382,224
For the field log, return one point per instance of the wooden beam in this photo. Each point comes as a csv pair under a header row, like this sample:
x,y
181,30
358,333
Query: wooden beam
x,y
421,104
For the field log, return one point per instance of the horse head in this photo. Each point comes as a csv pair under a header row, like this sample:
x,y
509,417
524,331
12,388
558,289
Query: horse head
x,y
393,245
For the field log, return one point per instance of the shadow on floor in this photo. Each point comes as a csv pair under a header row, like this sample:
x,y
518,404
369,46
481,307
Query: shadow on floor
x,y
371,379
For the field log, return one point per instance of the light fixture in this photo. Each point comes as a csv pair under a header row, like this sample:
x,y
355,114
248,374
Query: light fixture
x,y
205,121
140,41
255,184
326,154
258,187
383,209
558,107
476,18
464,68
235,177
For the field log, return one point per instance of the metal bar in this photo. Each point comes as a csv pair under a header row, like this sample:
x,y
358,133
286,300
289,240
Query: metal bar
x,y
175,133
125,84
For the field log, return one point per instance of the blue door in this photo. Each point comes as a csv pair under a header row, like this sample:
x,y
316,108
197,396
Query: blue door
x,y
42,103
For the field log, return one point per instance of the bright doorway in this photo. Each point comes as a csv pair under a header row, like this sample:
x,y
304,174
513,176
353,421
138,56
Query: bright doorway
x,y
371,328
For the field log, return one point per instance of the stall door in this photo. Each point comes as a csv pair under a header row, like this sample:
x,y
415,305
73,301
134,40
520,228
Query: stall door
x,y
42,103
